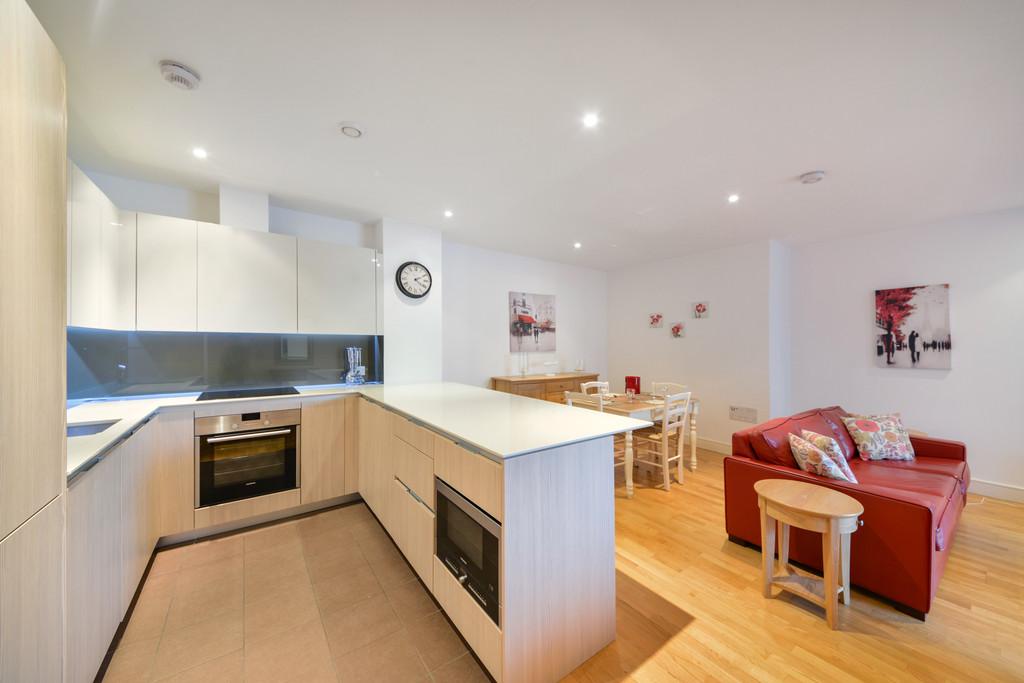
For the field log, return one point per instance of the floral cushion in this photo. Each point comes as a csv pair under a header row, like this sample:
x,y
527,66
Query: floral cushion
x,y
831,448
880,437
812,459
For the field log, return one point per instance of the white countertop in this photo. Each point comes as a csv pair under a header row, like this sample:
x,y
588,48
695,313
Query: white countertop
x,y
500,425
132,412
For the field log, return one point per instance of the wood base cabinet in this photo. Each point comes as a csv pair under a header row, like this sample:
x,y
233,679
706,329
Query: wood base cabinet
x,y
543,387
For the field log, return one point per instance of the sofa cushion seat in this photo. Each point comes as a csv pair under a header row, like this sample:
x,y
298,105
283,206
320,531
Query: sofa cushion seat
x,y
951,468
929,489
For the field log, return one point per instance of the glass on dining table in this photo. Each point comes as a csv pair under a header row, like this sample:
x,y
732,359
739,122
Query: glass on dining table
x,y
630,394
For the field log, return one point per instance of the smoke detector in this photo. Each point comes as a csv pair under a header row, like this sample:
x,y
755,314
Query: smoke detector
x,y
350,129
179,75
812,177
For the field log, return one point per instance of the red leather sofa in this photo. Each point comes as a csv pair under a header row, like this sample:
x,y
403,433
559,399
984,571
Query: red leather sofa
x,y
911,509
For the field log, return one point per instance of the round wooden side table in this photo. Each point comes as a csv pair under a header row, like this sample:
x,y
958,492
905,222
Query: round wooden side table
x,y
814,508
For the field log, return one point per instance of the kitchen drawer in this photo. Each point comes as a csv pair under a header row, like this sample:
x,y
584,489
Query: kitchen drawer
x,y
415,470
563,385
556,398
418,437
414,533
473,475
472,622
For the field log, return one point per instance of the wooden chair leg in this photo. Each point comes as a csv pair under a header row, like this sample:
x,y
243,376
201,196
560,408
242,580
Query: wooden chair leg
x,y
666,478
679,455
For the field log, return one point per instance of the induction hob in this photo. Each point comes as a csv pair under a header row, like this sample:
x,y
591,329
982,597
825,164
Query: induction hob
x,y
246,393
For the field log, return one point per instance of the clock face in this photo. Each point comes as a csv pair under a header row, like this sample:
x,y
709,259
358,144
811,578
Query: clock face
x,y
413,279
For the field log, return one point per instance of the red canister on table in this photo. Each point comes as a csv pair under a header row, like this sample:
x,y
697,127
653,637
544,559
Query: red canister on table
x,y
633,382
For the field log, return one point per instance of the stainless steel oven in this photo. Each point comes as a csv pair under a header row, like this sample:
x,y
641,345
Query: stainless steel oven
x,y
469,545
246,455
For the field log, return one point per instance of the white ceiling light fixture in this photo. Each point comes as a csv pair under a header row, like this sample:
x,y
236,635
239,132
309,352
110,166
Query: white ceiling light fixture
x,y
350,129
591,120
733,198
179,75
577,245
812,177
448,213
199,153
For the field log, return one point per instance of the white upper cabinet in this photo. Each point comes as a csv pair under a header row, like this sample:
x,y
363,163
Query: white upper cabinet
x,y
166,273
247,280
337,289
101,258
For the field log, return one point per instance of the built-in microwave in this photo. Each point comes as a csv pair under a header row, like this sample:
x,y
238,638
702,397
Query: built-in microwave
x,y
469,545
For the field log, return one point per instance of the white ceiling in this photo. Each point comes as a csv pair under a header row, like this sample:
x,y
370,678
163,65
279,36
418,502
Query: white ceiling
x,y
914,108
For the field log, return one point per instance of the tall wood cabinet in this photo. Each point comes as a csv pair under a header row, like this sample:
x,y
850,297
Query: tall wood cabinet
x,y
33,314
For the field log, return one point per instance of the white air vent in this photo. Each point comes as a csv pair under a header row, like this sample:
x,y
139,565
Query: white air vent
x,y
179,75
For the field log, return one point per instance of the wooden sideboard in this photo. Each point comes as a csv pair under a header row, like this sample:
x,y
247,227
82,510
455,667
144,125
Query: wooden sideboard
x,y
545,387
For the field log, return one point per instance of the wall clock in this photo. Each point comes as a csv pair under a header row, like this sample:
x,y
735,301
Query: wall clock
x,y
413,279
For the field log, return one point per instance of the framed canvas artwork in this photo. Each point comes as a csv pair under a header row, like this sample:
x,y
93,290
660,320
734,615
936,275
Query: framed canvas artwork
x,y
531,322
912,327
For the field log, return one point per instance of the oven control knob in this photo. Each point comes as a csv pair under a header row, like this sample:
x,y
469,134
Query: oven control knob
x,y
463,579
266,422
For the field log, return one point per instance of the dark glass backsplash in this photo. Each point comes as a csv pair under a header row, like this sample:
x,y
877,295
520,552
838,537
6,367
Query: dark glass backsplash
x,y
104,363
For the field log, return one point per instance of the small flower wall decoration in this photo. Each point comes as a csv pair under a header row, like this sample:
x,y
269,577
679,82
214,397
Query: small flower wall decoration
x,y
701,309
678,330
656,319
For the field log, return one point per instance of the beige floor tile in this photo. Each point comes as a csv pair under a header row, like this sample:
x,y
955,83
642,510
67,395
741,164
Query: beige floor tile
x,y
462,670
210,551
149,616
350,515
280,611
159,586
195,578
227,669
168,561
268,570
300,654
132,662
204,602
270,536
435,639
391,569
328,542
390,659
360,625
411,600
343,591
377,546
341,560
199,643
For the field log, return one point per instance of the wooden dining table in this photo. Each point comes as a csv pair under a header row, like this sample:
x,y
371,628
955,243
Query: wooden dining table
x,y
641,408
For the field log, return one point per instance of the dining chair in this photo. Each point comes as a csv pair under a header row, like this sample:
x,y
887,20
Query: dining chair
x,y
602,387
596,402
670,423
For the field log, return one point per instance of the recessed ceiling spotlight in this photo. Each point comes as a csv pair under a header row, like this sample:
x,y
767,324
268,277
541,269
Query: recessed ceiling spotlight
x,y
350,129
733,198
179,75
577,245
812,177
199,153
590,120
448,213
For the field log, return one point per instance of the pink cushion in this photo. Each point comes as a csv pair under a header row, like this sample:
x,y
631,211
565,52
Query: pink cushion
x,y
812,459
830,447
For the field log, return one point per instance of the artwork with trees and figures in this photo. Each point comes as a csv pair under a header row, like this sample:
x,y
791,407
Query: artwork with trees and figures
x,y
912,327
531,321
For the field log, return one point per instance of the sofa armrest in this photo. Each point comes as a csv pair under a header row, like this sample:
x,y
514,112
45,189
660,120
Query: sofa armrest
x,y
929,447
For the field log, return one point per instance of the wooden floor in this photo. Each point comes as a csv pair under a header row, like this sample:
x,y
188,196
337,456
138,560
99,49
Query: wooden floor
x,y
690,606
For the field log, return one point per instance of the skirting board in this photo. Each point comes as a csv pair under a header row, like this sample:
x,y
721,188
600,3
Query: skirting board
x,y
711,445
995,490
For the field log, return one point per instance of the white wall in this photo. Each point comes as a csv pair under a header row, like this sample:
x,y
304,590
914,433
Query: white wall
x,y
412,328
724,359
322,228
476,333
164,200
980,400
241,208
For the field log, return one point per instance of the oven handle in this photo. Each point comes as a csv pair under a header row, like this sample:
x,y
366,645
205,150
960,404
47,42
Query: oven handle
x,y
247,435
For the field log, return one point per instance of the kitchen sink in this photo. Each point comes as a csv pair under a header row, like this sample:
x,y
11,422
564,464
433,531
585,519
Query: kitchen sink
x,y
89,428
